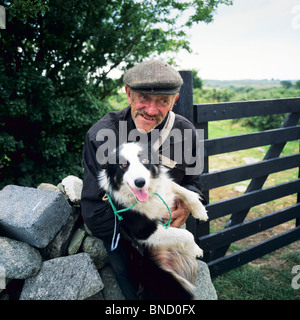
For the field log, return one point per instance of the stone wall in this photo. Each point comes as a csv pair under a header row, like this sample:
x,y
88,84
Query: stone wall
x,y
47,252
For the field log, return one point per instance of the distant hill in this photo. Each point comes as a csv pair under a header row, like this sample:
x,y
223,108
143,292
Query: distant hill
x,y
241,83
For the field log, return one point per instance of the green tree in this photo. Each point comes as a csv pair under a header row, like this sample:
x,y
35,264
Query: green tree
x,y
197,82
286,84
297,84
56,71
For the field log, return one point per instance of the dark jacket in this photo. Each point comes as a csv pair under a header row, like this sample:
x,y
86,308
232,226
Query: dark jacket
x,y
97,214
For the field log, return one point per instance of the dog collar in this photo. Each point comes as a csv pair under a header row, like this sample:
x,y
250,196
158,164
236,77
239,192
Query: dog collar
x,y
120,218
116,212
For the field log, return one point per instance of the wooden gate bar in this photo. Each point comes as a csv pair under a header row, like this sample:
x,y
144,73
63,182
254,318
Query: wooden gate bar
x,y
228,110
248,228
257,183
224,177
216,244
251,140
251,199
246,255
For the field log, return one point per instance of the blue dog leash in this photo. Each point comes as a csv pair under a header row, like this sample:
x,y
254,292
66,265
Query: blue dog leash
x,y
114,242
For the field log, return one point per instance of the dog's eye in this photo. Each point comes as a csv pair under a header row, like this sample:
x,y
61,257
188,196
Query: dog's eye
x,y
124,165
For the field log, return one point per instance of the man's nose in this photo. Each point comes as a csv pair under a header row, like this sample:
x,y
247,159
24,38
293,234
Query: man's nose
x,y
152,109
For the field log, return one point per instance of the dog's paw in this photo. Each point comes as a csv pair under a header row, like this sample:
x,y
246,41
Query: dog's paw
x,y
199,212
197,252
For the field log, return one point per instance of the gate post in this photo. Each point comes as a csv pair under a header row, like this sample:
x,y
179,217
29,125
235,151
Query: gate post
x,y
185,107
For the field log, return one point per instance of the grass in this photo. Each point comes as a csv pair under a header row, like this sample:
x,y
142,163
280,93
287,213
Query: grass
x,y
270,277
251,282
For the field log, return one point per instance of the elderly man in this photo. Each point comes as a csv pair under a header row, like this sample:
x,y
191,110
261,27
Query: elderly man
x,y
152,88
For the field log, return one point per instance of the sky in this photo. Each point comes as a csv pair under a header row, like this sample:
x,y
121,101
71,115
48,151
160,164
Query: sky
x,y
251,39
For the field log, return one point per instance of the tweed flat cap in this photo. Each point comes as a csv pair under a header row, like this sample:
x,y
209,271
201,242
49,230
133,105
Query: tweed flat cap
x,y
153,77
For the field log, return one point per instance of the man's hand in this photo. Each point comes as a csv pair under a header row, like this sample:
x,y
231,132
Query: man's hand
x,y
180,213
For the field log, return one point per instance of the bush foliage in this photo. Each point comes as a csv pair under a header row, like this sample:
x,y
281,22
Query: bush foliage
x,y
56,61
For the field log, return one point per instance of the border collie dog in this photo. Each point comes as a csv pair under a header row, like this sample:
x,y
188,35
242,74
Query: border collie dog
x,y
166,267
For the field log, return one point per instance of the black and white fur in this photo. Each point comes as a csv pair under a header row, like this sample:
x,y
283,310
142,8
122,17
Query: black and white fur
x,y
168,266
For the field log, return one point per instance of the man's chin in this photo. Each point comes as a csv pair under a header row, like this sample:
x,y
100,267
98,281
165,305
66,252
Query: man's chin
x,y
145,128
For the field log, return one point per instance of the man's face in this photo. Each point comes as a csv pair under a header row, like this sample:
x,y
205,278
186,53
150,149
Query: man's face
x,y
148,110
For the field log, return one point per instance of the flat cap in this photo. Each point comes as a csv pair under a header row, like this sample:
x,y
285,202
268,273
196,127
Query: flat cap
x,y
153,77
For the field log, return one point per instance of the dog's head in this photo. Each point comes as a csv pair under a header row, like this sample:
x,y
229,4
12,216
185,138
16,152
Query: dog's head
x,y
130,171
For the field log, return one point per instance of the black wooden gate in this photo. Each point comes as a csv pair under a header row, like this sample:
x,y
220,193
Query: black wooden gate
x,y
215,245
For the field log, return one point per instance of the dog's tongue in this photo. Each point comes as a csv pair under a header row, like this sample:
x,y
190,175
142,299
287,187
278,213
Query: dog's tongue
x,y
141,194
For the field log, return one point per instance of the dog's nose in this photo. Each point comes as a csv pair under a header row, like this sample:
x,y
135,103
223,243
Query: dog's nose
x,y
140,182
